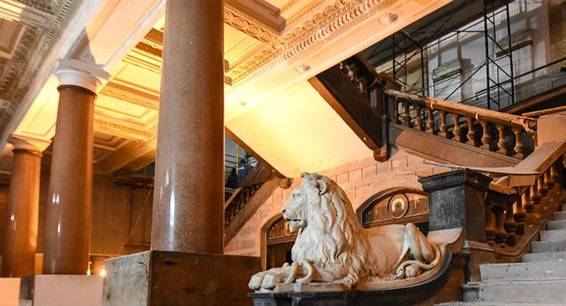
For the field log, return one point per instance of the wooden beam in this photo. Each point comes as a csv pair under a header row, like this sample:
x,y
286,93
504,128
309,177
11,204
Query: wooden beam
x,y
350,105
444,150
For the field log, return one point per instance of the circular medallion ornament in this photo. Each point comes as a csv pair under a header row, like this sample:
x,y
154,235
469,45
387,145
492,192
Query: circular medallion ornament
x,y
398,206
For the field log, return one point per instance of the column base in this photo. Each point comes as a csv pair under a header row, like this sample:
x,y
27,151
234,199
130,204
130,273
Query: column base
x,y
62,290
9,291
159,278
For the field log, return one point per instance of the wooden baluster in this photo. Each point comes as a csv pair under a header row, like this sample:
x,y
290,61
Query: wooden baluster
x,y
519,215
430,120
526,200
500,234
541,186
442,130
406,114
418,118
485,136
396,115
554,172
510,225
471,133
456,130
549,182
490,227
533,193
519,148
502,143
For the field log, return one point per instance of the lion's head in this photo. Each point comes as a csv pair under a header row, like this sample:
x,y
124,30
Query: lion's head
x,y
328,231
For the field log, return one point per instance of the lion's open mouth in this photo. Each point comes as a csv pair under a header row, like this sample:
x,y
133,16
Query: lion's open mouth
x,y
295,224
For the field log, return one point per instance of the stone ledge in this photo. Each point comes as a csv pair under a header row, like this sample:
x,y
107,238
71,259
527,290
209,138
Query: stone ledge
x,y
159,278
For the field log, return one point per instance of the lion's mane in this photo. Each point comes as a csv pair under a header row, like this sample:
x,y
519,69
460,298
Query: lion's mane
x,y
333,235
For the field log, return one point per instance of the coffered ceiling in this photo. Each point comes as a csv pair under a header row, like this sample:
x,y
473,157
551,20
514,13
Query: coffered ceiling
x,y
271,48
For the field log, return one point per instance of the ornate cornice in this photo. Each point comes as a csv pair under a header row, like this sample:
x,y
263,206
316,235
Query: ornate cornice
x,y
108,126
323,24
248,26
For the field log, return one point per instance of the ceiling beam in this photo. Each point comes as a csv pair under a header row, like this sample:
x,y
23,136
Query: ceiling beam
x,y
131,95
125,155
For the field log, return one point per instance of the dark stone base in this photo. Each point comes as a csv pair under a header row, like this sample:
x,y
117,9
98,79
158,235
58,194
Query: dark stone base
x,y
443,288
159,278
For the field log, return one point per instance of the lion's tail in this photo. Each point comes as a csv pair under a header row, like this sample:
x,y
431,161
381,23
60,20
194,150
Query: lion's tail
x,y
439,252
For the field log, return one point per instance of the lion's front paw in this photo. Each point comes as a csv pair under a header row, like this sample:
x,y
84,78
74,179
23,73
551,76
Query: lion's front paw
x,y
256,281
269,281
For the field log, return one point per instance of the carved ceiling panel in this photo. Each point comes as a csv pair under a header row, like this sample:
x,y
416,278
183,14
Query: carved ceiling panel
x,y
27,29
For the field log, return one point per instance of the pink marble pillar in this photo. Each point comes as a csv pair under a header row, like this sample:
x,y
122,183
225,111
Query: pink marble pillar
x,y
23,209
189,179
69,202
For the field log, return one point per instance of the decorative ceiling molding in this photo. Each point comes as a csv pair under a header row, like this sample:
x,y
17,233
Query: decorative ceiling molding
x,y
42,21
258,12
120,128
126,155
323,24
25,13
234,19
131,95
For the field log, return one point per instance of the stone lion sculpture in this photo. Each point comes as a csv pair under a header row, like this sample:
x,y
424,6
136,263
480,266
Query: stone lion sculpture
x,y
332,246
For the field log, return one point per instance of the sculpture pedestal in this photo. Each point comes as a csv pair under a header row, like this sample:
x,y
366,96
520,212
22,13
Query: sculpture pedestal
x,y
445,286
159,278
62,290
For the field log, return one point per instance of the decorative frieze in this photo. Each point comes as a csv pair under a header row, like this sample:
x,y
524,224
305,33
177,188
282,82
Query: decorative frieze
x,y
331,19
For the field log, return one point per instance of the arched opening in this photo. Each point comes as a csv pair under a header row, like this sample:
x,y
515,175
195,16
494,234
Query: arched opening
x,y
397,205
278,243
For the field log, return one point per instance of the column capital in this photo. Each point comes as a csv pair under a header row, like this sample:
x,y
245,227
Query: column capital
x,y
29,144
81,74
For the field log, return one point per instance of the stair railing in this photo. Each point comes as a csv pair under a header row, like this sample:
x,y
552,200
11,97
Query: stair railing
x,y
520,218
514,215
507,134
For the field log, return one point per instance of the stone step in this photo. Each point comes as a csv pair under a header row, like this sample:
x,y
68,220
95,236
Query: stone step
x,y
546,256
559,215
531,291
553,235
524,271
556,224
548,246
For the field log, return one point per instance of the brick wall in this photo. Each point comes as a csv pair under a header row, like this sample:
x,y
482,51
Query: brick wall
x,y
359,179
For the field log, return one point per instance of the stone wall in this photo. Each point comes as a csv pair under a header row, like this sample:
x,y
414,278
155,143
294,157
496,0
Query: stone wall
x,y
118,215
360,179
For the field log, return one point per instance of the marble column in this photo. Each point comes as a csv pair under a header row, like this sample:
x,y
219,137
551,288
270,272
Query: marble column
x,y
69,202
23,209
189,179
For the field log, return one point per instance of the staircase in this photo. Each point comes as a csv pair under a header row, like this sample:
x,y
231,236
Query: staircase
x,y
540,279
442,131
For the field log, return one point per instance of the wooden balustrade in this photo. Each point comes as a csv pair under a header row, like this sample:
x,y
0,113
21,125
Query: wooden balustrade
x,y
504,133
507,221
238,200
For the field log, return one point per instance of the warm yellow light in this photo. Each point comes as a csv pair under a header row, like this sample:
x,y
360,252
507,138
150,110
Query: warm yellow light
x,y
102,272
298,131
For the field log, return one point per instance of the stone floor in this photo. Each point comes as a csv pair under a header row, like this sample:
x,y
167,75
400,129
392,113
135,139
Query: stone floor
x,y
540,279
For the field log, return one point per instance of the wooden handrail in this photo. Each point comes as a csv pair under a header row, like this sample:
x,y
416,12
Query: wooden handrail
x,y
509,120
511,226
503,133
